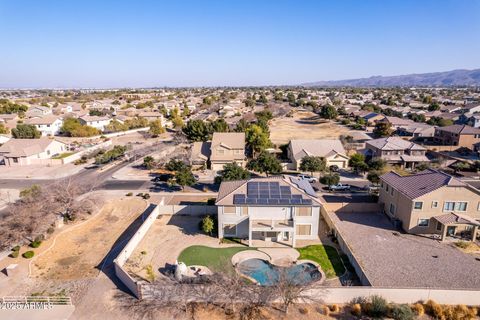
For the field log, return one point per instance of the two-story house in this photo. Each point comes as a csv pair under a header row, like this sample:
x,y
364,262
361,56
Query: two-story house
x,y
457,135
280,209
331,150
49,125
396,151
98,122
431,202
227,147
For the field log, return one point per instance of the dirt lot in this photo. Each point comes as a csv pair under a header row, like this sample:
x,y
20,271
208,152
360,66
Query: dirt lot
x,y
77,252
304,125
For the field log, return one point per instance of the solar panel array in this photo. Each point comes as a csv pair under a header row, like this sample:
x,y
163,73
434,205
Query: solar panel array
x,y
269,193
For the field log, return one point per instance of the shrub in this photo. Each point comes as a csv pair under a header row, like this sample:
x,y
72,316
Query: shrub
x,y
28,254
402,312
433,309
418,309
14,254
356,310
129,194
462,244
146,196
35,244
140,194
377,307
16,248
150,273
303,310
50,230
325,310
334,308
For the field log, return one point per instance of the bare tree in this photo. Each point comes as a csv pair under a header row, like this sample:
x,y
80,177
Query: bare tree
x,y
290,291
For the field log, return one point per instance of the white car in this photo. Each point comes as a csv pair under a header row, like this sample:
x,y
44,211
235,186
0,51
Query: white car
x,y
308,178
339,187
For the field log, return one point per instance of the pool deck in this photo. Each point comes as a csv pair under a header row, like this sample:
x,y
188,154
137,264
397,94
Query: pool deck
x,y
283,257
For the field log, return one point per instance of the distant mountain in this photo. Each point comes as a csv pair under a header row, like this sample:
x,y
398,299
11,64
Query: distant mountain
x,y
436,79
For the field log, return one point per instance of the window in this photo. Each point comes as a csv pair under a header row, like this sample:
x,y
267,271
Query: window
x,y
418,205
220,151
304,211
386,187
391,192
434,204
229,229
460,206
439,226
478,206
423,222
448,206
392,209
15,160
229,210
304,229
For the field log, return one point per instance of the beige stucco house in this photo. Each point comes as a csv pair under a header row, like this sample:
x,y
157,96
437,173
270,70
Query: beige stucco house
x,y
23,152
431,202
331,150
263,211
227,147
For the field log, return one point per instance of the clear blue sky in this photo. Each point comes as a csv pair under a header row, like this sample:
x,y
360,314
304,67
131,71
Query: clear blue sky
x,y
203,43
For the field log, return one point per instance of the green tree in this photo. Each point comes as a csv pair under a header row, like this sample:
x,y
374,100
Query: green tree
x,y
184,177
434,107
177,122
73,128
197,130
148,162
383,129
111,155
241,126
257,139
265,163
377,164
373,176
357,162
175,165
32,192
231,172
219,125
313,164
328,112
156,128
3,129
116,126
330,179
208,225
26,131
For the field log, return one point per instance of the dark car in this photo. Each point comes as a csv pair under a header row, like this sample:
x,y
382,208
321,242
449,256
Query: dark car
x,y
334,168
163,177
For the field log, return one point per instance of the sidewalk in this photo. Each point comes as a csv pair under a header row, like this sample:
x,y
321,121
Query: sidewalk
x,y
39,172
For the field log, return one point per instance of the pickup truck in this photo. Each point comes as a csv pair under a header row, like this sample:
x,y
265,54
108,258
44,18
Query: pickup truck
x,y
308,178
339,187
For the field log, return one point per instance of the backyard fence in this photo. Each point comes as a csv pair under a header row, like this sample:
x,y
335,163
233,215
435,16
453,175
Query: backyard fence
x,y
188,210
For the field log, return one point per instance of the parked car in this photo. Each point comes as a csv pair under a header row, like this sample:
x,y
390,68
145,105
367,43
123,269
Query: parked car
x,y
164,177
308,178
334,168
339,187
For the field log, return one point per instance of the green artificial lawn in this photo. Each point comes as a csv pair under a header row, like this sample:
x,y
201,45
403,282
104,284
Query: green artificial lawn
x,y
216,259
326,256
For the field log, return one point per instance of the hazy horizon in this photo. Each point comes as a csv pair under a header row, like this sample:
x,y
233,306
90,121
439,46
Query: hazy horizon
x,y
243,43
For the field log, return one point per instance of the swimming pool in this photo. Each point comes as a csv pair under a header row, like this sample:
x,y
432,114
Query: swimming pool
x,y
268,274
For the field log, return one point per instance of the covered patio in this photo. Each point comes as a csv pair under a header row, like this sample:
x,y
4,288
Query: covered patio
x,y
271,233
457,225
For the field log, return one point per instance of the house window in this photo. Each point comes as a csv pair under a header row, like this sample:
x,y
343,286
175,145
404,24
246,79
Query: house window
x,y
439,226
15,160
418,205
391,192
423,222
304,229
448,206
434,204
220,151
386,187
304,211
478,206
461,206
392,209
48,152
229,210
230,230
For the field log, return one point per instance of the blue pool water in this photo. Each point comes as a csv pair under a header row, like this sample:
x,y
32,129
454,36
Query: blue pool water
x,y
267,274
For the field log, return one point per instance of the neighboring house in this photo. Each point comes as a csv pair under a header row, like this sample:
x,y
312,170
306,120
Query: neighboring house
x,y
22,152
431,202
49,125
227,147
396,122
200,154
9,120
38,111
474,121
450,108
372,118
152,116
331,150
396,151
472,108
98,122
280,209
457,135
4,138
417,130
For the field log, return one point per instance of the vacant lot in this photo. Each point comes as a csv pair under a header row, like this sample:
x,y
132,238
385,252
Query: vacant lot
x,y
78,252
304,125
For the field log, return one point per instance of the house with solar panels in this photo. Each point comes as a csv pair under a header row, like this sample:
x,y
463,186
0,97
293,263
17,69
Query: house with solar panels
x,y
264,211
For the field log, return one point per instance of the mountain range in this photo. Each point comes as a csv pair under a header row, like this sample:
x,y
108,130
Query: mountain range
x,y
435,79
